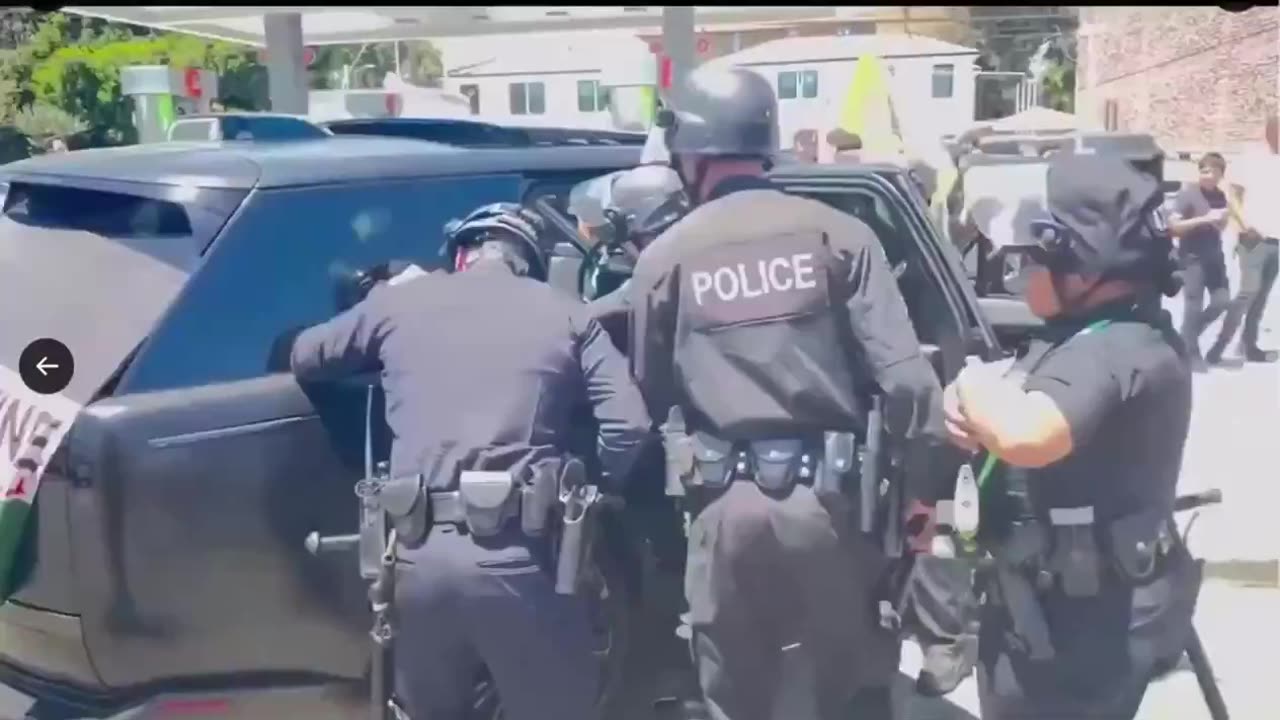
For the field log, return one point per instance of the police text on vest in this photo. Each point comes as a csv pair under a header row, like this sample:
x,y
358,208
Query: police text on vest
x,y
747,280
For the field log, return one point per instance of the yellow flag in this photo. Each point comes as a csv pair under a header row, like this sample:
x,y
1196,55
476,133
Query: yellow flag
x,y
868,108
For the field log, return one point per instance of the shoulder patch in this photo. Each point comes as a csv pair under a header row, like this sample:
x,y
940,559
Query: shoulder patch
x,y
754,281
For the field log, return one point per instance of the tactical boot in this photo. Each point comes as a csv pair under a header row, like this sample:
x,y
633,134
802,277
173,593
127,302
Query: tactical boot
x,y
946,665
1258,355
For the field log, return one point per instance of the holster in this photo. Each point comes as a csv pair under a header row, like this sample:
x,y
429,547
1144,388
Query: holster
x,y
539,495
839,452
677,446
578,500
404,499
1074,558
1018,578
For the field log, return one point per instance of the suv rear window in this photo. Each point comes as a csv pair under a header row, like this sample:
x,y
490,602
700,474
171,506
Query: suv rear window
x,y
158,228
274,269
94,268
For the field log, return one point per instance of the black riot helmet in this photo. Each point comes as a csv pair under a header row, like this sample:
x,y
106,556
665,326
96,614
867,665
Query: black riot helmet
x,y
505,230
721,112
724,112
1104,218
629,208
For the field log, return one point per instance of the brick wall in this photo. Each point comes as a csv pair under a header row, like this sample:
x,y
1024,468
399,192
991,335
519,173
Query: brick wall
x,y
1194,77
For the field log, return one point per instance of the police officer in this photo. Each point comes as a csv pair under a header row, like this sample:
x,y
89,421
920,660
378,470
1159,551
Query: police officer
x,y
1085,438
758,317
481,369
619,215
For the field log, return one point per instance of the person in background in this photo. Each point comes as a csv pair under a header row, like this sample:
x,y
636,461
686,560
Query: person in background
x,y
1253,180
846,146
1199,215
804,145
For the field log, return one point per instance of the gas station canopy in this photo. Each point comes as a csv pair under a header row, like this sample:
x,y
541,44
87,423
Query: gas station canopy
x,y
285,32
336,25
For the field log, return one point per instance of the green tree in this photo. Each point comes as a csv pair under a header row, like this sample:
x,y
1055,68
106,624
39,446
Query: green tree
x,y
44,35
84,79
365,65
44,122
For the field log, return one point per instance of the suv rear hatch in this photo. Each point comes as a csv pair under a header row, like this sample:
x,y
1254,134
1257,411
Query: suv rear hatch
x,y
92,263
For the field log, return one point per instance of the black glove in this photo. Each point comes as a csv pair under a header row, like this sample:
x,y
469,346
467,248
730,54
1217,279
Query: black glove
x,y
282,350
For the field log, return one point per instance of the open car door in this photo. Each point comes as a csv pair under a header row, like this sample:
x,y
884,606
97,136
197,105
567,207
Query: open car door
x,y
941,304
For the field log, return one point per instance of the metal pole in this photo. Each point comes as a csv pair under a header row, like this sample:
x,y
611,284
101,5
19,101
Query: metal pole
x,y
286,71
679,41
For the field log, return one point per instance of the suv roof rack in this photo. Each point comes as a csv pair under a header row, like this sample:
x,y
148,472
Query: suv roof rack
x,y
479,134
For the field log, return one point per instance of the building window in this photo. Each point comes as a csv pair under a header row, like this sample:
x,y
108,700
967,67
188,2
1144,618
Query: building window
x,y
944,81
528,98
592,97
858,28
793,84
1110,115
472,93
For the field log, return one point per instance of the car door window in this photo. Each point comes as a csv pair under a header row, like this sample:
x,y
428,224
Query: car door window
x,y
274,269
924,302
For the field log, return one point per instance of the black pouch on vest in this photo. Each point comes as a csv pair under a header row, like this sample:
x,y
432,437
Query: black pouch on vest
x,y
486,497
1075,559
711,461
1163,609
1134,542
777,462
404,499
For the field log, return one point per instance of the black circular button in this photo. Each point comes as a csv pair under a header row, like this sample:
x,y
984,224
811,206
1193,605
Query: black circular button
x,y
46,366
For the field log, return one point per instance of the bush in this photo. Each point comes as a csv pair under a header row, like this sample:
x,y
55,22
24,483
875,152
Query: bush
x,y
42,122
85,80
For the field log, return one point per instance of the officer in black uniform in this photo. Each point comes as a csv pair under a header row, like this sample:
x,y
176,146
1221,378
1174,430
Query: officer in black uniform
x,y
760,317
481,369
1083,439
619,215
622,213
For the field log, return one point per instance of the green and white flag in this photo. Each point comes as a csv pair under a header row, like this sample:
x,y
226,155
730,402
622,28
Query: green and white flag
x,y
31,428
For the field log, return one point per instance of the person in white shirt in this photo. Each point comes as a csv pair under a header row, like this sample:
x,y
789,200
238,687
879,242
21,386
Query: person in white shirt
x,y
1253,180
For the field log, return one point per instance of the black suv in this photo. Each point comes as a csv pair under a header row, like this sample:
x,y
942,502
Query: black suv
x,y
167,571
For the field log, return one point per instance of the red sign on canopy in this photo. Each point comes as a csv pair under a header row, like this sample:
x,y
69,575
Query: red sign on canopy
x,y
308,56
191,82
703,46
665,72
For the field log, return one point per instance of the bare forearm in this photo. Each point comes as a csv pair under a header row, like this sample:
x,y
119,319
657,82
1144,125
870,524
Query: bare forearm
x,y
1011,423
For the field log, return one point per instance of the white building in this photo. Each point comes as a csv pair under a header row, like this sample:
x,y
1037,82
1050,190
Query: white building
x,y
549,80
932,81
555,79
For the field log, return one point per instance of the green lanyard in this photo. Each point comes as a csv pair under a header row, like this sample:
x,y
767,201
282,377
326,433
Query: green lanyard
x,y
967,538
989,464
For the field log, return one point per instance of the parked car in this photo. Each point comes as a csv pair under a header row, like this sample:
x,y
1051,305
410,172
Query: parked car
x,y
477,133
244,126
168,573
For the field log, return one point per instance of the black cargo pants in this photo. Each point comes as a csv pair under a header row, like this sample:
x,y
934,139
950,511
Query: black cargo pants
x,y
1092,677
943,611
766,573
464,603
